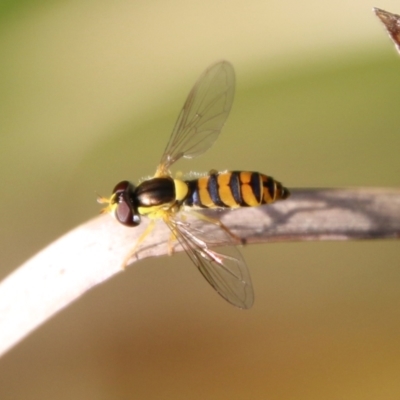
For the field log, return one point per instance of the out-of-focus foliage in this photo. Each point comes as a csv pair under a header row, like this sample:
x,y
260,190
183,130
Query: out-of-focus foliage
x,y
89,93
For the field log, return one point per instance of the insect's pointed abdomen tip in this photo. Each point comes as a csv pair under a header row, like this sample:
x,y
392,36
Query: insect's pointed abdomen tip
x,y
285,193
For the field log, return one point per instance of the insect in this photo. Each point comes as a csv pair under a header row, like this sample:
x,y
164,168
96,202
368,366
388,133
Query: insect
x,y
174,200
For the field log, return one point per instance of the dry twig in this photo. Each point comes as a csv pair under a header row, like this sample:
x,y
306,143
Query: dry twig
x,y
94,251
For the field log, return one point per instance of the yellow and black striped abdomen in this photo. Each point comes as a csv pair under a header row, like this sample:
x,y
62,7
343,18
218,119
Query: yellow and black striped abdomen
x,y
234,189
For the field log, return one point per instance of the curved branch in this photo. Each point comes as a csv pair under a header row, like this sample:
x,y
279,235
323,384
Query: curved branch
x,y
95,251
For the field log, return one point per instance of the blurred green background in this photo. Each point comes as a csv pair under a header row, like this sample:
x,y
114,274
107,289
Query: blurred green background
x,y
89,93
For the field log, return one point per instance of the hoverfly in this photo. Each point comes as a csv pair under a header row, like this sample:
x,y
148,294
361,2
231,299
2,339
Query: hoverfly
x,y
163,197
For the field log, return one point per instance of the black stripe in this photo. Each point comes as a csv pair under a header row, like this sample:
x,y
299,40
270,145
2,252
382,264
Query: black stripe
x,y
256,185
212,187
270,186
234,184
192,198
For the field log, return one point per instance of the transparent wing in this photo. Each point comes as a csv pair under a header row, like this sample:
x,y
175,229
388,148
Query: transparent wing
x,y
202,117
225,270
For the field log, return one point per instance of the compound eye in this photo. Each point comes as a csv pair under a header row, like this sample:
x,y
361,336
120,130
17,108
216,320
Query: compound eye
x,y
125,213
124,186
124,199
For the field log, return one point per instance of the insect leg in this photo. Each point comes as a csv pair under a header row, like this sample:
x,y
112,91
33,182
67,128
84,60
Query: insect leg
x,y
143,236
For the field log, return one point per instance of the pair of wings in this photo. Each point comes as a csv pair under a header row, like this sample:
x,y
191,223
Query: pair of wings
x,y
197,128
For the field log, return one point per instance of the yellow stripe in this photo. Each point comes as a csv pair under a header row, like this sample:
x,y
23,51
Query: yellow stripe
x,y
247,191
261,189
181,189
248,196
205,198
245,177
224,190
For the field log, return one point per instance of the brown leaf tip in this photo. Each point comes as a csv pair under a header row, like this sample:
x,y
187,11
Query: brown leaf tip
x,y
392,24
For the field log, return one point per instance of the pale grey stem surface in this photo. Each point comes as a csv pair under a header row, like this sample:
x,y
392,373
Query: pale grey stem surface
x,y
96,250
